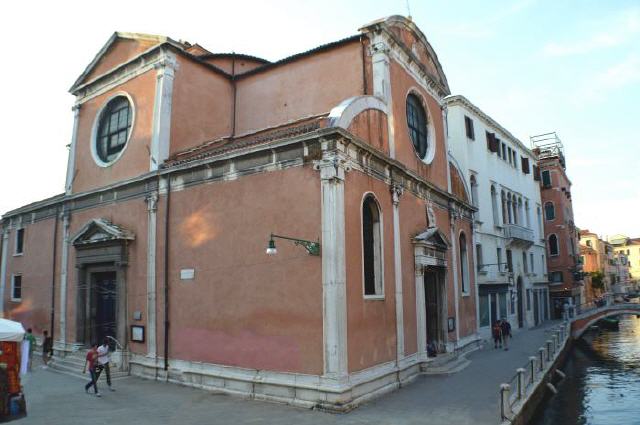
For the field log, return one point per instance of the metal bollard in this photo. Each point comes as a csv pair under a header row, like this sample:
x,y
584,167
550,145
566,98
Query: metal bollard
x,y
549,342
541,351
505,393
521,384
532,365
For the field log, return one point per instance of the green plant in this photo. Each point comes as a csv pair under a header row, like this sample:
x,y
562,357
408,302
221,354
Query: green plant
x,y
597,280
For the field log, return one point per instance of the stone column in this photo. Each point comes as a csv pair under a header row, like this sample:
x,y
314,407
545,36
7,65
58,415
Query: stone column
x,y
71,163
3,267
152,208
63,277
332,173
421,313
382,83
161,129
396,192
455,246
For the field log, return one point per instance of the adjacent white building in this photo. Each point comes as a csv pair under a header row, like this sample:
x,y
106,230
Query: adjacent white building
x,y
502,177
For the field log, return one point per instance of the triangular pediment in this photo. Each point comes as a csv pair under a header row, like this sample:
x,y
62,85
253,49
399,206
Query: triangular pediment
x,y
119,49
100,230
432,237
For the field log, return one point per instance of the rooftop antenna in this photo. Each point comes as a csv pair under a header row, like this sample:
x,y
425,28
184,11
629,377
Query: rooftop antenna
x,y
408,10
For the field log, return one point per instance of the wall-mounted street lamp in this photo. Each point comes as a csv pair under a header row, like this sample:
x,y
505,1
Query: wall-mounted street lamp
x,y
313,248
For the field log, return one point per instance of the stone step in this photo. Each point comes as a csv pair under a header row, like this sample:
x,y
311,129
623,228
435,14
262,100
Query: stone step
x,y
73,364
445,365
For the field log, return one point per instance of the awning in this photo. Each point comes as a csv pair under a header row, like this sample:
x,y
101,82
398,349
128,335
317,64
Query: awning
x,y
11,331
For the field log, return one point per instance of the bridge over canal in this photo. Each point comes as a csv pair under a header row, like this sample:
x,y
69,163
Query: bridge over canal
x,y
587,317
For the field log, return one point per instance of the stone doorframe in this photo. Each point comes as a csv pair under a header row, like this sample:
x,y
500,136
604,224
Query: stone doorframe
x,y
101,247
430,253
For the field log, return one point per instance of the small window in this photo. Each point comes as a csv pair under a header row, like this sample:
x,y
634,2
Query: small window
x,y
417,123
533,265
114,128
553,245
372,247
549,211
504,151
588,243
556,277
464,264
468,125
19,241
479,259
474,191
524,262
499,257
528,299
16,288
509,260
546,178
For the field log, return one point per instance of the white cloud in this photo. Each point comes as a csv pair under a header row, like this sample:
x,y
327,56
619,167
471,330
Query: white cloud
x,y
621,30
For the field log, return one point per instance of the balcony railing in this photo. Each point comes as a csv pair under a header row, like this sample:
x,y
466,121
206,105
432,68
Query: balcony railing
x,y
519,233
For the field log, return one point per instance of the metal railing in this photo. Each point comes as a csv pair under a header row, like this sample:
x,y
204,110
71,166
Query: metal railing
x,y
531,374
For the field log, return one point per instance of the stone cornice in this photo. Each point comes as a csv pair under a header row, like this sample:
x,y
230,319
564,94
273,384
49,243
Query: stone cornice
x,y
466,103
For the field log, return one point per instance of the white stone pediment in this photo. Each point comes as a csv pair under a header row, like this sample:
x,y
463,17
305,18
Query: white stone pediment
x,y
432,237
100,230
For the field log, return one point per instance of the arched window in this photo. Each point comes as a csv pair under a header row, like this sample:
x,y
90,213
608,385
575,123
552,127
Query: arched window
x,y
113,128
494,205
417,123
510,208
504,208
549,211
474,191
553,245
527,212
371,246
464,264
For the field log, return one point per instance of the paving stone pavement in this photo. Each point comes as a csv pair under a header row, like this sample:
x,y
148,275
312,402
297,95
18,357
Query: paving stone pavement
x,y
467,397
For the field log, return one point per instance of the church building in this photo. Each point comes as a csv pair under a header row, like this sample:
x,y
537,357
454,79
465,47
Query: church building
x,y
292,231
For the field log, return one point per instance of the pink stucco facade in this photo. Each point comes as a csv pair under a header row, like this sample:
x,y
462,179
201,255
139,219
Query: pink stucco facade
x,y
222,154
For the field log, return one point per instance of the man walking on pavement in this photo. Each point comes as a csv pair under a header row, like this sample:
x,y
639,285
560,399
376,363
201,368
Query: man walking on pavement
x,y
506,333
103,361
32,345
92,362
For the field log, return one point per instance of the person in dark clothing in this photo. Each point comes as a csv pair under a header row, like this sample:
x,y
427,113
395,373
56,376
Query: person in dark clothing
x,y
496,331
47,349
505,327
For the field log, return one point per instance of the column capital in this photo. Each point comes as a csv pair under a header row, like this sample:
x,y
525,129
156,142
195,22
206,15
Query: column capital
x,y
152,201
166,66
396,192
332,166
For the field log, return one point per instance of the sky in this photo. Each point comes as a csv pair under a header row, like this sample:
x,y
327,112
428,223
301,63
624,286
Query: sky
x,y
535,66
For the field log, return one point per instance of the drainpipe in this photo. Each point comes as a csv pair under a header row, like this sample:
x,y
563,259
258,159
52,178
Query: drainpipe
x,y
166,275
233,86
53,273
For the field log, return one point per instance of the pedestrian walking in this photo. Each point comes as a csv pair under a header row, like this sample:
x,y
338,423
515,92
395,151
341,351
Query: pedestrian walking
x,y
32,345
103,362
496,331
505,327
47,349
92,362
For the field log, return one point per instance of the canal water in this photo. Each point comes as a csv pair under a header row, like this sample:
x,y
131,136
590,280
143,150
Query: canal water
x,y
602,386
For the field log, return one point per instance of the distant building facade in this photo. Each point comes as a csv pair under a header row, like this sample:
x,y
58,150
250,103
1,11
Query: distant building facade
x,y
508,233
185,165
563,252
631,248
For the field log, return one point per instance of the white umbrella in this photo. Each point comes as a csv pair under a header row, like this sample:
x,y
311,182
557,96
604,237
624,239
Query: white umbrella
x,y
11,331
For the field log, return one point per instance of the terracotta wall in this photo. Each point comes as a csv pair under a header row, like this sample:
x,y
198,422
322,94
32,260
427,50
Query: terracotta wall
x,y
131,215
202,106
436,172
245,308
120,52
467,301
371,323
371,126
135,158
36,267
412,222
304,87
